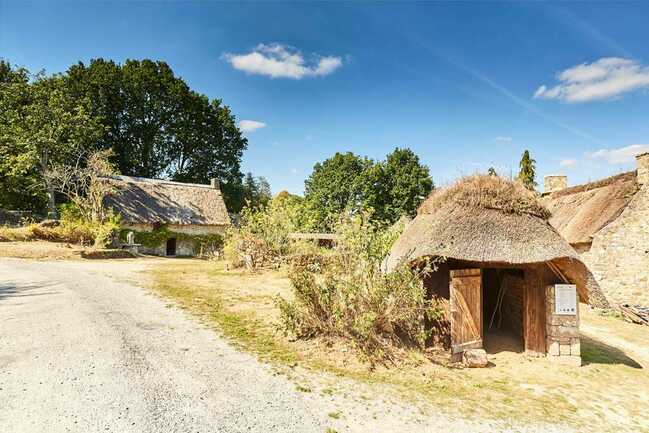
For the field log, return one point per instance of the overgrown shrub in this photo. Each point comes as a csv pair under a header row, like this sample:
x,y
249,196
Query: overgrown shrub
x,y
378,312
71,228
262,238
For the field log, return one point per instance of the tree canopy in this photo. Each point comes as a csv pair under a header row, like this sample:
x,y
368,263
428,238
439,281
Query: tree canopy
x,y
527,173
391,188
154,123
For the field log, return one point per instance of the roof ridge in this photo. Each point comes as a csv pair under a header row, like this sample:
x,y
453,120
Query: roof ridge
x,y
589,186
135,179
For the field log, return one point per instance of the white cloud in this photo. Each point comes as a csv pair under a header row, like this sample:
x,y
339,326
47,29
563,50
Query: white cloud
x,y
502,139
621,155
606,78
568,162
294,171
251,125
281,61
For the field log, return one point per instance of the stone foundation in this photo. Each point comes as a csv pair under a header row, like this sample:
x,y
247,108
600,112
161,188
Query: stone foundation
x,y
562,332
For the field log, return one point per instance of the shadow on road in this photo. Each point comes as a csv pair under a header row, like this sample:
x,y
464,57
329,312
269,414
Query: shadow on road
x,y
13,290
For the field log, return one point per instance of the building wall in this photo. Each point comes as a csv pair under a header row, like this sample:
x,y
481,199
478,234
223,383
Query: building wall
x,y
562,332
619,255
555,183
183,247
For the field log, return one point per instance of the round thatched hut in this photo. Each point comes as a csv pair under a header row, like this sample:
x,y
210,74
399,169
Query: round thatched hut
x,y
498,261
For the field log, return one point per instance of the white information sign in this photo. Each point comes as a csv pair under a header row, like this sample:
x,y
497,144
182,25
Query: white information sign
x,y
565,299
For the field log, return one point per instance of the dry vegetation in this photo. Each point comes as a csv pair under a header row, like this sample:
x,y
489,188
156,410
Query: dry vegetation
x,y
489,192
611,391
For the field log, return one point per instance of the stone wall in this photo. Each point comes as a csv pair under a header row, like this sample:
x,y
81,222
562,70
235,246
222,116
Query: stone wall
x,y
562,332
619,255
184,247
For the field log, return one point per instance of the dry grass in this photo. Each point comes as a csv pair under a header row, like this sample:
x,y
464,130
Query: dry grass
x,y
488,192
41,250
611,391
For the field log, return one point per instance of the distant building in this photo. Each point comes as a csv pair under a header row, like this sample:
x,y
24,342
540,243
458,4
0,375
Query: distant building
x,y
607,222
184,217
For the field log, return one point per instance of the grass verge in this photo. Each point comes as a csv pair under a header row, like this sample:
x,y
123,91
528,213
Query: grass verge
x,y
516,388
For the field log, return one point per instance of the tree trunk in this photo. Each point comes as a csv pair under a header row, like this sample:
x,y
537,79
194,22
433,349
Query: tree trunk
x,y
51,202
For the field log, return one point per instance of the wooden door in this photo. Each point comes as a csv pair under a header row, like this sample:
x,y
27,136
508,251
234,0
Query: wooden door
x,y
466,310
534,319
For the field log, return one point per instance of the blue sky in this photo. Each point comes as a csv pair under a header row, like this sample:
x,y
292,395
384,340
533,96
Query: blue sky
x,y
459,83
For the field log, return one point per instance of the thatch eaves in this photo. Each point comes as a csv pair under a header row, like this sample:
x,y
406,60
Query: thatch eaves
x,y
481,219
152,201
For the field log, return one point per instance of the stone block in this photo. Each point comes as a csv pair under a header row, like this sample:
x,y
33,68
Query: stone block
x,y
475,358
575,347
564,349
574,361
553,348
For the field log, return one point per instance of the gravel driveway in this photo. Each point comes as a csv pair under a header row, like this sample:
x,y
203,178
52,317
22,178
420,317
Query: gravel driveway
x,y
81,352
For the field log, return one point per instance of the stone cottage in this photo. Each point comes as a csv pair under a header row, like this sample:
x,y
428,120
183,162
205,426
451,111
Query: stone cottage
x,y
607,222
170,218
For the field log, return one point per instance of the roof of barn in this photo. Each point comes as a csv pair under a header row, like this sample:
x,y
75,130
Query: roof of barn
x,y
579,212
150,201
481,219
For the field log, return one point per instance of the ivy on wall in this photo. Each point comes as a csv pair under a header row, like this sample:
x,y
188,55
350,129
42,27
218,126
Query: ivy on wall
x,y
159,236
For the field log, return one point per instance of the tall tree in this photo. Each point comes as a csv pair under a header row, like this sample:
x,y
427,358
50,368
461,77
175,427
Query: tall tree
x,y
17,182
334,185
407,183
391,188
43,127
158,127
256,191
527,172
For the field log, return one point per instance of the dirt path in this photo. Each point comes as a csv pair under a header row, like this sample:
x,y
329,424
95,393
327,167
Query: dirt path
x,y
82,352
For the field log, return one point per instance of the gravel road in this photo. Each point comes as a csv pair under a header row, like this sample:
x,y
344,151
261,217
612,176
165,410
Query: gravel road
x,y
82,352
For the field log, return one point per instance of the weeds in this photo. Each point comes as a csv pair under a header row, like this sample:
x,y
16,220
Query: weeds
x,y
353,299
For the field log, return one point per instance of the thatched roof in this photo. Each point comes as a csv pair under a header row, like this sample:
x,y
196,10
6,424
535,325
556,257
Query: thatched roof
x,y
149,201
484,219
579,212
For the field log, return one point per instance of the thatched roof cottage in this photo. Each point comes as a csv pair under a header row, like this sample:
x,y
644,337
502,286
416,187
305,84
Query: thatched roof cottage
x,y
501,260
169,218
607,222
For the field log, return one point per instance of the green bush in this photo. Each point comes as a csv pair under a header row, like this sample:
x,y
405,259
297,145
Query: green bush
x,y
351,298
262,238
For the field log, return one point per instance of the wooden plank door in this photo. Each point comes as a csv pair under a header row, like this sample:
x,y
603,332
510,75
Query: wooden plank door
x,y
466,310
534,318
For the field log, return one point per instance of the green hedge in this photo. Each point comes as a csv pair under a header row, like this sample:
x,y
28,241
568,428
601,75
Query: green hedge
x,y
160,235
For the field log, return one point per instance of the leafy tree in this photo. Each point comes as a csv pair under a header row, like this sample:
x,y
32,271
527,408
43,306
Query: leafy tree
x,y
335,185
527,173
158,127
16,183
43,126
406,182
492,172
391,188
256,191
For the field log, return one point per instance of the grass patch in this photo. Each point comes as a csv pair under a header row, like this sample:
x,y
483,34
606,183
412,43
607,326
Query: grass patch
x,y
335,415
241,306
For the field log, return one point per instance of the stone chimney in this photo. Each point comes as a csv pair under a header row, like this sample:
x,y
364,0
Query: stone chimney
x,y
555,183
214,183
642,160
